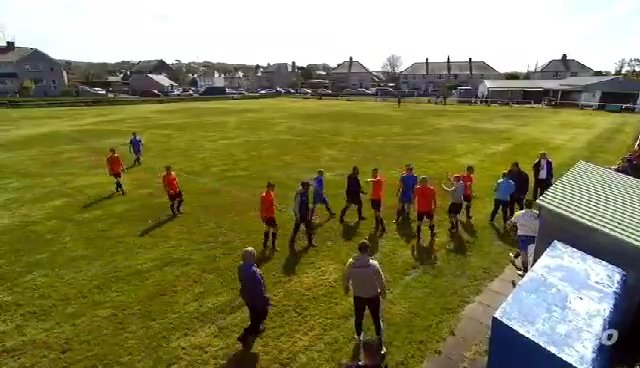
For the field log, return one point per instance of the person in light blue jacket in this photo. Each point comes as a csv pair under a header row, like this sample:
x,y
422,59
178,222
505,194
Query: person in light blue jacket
x,y
503,189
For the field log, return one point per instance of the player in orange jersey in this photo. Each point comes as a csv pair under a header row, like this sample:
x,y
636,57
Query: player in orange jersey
x,y
171,186
268,216
425,196
377,184
115,168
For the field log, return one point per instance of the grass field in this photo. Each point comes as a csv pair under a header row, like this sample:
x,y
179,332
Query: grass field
x,y
81,287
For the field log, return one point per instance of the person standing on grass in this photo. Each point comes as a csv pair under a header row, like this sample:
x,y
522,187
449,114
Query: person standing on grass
x,y
302,214
542,175
318,194
268,216
172,188
377,184
115,168
254,294
503,189
135,147
456,191
527,221
364,276
406,187
353,192
425,196
399,101
521,180
467,179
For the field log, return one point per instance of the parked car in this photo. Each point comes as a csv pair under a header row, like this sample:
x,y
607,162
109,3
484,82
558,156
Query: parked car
x,y
84,91
323,91
174,93
364,91
213,91
267,91
305,91
150,93
385,91
186,92
99,91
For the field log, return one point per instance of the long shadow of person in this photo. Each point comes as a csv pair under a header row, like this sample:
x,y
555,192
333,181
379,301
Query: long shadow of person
x,y
350,231
355,353
292,260
505,236
98,200
156,225
405,231
320,224
242,359
263,257
424,255
458,244
469,228
374,240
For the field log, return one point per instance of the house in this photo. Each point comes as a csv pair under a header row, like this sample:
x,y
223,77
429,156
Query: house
x,y
561,68
19,64
151,67
430,77
351,74
591,92
279,75
215,80
239,80
140,82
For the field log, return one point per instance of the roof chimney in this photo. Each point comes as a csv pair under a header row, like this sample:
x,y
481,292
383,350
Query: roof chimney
x,y
294,68
350,64
565,63
426,68
448,65
10,46
470,67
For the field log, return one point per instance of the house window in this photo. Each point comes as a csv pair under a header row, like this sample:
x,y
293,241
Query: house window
x,y
38,81
413,77
51,69
405,77
482,76
54,82
441,76
453,76
574,74
556,74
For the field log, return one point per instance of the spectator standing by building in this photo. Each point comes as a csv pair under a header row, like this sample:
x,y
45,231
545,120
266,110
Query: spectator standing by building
x,y
364,277
503,189
521,179
542,175
254,293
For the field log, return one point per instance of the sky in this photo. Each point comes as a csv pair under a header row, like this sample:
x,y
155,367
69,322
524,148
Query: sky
x,y
507,34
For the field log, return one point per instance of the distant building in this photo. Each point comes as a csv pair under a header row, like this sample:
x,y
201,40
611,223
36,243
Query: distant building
x,y
239,80
279,75
215,80
158,82
19,64
561,68
430,77
351,74
151,67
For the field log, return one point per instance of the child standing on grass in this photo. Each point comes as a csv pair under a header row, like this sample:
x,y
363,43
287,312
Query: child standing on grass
x,y
172,188
115,168
268,215
135,147
456,190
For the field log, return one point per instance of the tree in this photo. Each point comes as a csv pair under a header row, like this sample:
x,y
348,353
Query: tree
x,y
392,64
305,73
27,87
512,75
633,68
620,65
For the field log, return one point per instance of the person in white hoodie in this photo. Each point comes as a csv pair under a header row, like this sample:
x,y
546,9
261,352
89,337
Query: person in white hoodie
x,y
364,276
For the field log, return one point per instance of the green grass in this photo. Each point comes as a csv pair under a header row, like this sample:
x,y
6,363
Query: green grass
x,y
80,287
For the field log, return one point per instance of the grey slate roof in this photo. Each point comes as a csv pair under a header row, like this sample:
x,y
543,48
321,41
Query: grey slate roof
x,y
457,67
145,66
356,67
16,54
572,65
277,66
600,198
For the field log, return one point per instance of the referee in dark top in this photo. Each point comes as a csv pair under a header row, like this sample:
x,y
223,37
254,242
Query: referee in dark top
x,y
302,212
353,192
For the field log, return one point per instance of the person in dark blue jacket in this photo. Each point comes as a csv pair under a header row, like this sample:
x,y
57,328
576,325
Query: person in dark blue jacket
x,y
302,212
254,293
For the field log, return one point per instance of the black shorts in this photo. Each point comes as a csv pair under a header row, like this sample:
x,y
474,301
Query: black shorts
x,y
455,209
270,222
467,198
425,215
357,201
175,196
117,175
376,204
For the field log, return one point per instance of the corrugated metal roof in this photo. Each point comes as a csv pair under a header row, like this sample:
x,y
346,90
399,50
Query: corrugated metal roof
x,y
600,198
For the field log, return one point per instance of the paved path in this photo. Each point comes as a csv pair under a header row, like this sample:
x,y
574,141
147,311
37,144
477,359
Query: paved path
x,y
474,324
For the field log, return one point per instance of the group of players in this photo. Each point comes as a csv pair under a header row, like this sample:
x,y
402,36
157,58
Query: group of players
x,y
411,191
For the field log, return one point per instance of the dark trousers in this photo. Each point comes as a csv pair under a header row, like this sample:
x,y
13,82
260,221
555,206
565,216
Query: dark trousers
x,y
503,206
355,201
257,316
308,227
516,199
360,304
540,186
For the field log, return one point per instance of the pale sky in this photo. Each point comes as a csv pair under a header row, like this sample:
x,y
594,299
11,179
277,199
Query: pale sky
x,y
507,34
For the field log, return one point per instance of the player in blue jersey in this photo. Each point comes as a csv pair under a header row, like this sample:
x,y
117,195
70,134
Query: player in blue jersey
x,y
406,186
318,194
135,147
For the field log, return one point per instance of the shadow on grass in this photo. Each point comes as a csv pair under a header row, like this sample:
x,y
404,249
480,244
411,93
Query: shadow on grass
x,y
469,228
132,166
242,359
425,255
98,200
292,260
458,244
320,224
264,257
504,235
405,231
350,231
355,353
156,225
374,241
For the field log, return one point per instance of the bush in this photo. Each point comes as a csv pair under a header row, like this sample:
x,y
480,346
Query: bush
x,y
27,87
68,92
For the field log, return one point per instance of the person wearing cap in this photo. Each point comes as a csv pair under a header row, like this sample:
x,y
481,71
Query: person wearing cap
x,y
456,191
302,213
503,189
364,277
527,222
425,196
254,294
406,187
353,192
542,175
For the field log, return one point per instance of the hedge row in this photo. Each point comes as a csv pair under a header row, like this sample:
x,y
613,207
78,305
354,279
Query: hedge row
x,y
81,102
